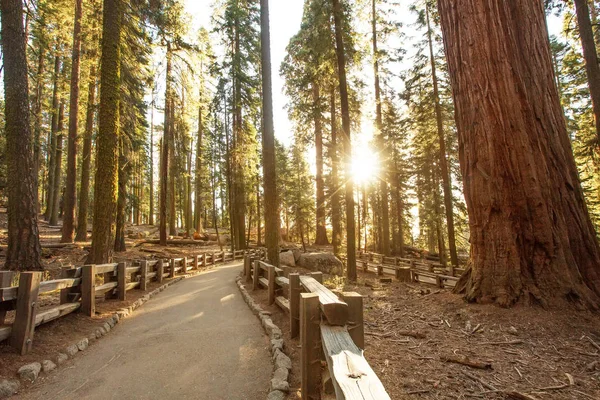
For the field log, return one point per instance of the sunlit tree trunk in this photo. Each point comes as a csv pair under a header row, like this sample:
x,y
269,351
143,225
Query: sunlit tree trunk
x,y
531,237
84,195
321,234
592,66
68,228
446,181
165,146
107,157
24,251
268,146
56,189
336,212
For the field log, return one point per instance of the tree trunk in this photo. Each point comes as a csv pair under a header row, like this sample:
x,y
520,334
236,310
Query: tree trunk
x,y
56,193
268,146
444,170
24,249
52,140
37,124
172,170
68,228
590,55
124,168
164,164
383,185
321,234
350,223
532,239
258,220
151,205
399,213
199,172
336,213
84,195
107,156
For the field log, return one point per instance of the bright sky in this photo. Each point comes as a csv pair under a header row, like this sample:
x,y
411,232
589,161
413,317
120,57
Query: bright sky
x,y
286,16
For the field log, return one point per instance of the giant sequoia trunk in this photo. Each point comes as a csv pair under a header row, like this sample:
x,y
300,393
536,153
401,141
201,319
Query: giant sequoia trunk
x,y
24,249
107,157
268,144
164,155
56,182
531,236
68,228
52,140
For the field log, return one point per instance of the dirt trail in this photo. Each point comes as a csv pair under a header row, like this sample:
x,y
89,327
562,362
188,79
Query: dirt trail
x,y
197,339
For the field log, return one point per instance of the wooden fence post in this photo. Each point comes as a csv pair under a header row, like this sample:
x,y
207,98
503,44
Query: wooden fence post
x,y
195,266
212,259
380,270
271,278
143,275
249,266
356,327
318,276
310,342
172,266
121,280
160,270
21,337
294,294
6,278
88,290
256,275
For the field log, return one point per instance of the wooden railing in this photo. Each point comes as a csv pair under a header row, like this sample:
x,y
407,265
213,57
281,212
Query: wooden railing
x,y
80,287
410,270
328,325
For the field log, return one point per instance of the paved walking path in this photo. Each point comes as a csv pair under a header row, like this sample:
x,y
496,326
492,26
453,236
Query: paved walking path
x,y
195,340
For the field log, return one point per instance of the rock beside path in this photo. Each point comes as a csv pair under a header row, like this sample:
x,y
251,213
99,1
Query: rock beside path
x,y
327,263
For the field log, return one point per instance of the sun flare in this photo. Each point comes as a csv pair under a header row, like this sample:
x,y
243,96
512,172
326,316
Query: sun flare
x,y
365,165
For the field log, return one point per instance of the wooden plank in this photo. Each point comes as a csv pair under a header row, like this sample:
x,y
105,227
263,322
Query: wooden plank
x,y
105,288
121,281
88,290
282,282
335,310
256,275
151,275
283,303
6,278
106,268
24,325
271,279
294,294
55,312
353,377
310,365
131,285
355,326
160,270
132,270
8,293
264,282
143,275
318,276
5,332
50,286
403,274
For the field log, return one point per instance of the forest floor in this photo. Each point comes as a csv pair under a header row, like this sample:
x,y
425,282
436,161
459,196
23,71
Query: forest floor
x,y
543,354
54,336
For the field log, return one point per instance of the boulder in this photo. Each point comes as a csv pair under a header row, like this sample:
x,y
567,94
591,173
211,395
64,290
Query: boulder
x,y
48,366
327,263
8,388
30,372
297,254
61,358
287,258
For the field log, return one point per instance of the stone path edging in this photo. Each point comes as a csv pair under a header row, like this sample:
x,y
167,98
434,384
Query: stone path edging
x,y
282,364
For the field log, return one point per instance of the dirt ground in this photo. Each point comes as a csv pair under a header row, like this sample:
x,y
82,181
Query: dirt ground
x,y
412,328
53,337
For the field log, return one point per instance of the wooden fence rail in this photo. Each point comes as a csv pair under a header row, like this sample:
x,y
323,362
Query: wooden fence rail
x,y
80,287
329,326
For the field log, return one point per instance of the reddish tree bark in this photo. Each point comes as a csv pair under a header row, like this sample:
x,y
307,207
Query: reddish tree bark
x,y
532,240
321,234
